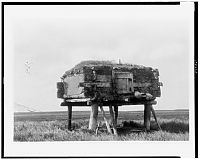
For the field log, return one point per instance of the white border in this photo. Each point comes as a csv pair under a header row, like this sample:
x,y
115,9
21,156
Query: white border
x,y
83,148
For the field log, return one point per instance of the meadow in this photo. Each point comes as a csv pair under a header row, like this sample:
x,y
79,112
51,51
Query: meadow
x,y
52,126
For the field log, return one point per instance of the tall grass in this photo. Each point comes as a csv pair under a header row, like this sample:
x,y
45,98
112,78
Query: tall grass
x,y
172,130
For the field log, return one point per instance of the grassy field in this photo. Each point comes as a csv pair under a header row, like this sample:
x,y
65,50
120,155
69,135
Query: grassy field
x,y
52,126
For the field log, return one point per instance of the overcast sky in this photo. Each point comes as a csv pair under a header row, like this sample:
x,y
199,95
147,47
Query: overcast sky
x,y
52,39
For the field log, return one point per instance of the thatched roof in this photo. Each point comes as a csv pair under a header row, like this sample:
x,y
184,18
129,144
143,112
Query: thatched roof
x,y
91,63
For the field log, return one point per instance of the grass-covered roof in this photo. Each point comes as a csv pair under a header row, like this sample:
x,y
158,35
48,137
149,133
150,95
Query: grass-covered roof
x,y
99,63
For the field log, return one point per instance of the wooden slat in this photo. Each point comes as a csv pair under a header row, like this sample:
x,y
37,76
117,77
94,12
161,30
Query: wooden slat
x,y
107,103
123,75
78,100
104,78
98,84
141,84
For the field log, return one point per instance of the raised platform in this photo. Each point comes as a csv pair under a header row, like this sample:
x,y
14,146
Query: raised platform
x,y
114,114
85,102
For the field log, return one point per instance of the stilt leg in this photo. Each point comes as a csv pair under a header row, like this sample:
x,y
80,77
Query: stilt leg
x,y
147,116
112,120
116,114
93,117
154,115
69,117
106,121
96,132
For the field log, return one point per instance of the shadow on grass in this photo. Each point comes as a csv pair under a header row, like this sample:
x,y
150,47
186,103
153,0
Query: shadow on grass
x,y
171,126
129,127
175,127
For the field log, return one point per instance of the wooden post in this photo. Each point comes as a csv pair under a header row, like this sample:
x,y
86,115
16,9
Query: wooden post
x,y
147,116
106,121
97,128
116,114
69,117
93,116
112,120
154,115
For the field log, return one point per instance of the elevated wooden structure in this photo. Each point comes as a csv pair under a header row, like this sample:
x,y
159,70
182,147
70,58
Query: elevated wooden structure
x,y
102,83
147,109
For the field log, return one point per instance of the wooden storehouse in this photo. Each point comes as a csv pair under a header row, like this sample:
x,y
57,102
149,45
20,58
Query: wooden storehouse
x,y
109,83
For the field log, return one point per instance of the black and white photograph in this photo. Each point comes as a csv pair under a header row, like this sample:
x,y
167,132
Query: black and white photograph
x,y
106,79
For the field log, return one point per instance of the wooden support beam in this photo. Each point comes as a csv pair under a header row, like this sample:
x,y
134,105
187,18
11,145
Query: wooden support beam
x,y
106,121
96,132
78,102
116,114
93,116
147,116
154,115
112,120
69,117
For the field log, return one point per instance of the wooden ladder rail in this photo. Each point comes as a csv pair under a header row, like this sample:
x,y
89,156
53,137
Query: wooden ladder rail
x,y
106,121
148,109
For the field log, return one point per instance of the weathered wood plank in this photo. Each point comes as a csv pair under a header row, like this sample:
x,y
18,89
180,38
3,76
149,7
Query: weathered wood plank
x,y
123,75
97,84
60,89
107,103
145,84
93,116
116,114
147,116
69,117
